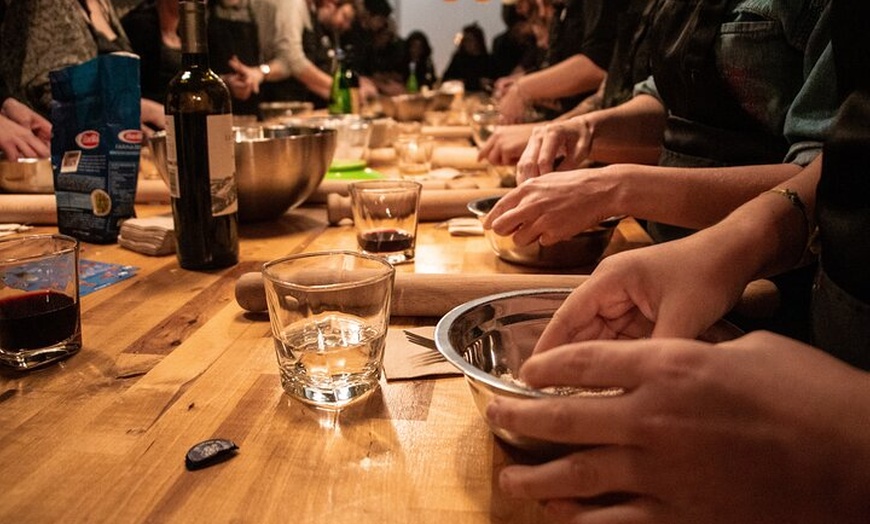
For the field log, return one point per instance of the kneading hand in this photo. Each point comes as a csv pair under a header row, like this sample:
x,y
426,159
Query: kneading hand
x,y
758,429
568,140
554,207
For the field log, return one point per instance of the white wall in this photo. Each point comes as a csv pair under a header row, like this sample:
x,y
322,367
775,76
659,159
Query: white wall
x,y
441,20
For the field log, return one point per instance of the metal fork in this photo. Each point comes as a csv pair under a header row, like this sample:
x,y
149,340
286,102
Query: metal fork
x,y
428,358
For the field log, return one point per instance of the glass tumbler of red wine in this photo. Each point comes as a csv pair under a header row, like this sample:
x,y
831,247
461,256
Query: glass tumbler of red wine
x,y
385,217
40,321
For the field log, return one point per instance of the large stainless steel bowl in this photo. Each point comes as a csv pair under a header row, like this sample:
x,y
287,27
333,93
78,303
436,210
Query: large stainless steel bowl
x,y
488,339
273,174
583,249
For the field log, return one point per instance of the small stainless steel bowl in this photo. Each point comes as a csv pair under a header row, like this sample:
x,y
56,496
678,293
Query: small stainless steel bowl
x,y
583,249
489,339
273,174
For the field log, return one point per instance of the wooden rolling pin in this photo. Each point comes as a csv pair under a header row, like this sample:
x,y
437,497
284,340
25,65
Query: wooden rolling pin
x,y
327,187
426,295
433,295
41,209
435,205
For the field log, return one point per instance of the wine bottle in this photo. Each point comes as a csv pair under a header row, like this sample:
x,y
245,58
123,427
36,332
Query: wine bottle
x,y
200,153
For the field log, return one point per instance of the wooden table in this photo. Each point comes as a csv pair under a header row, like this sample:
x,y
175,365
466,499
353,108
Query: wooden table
x,y
170,359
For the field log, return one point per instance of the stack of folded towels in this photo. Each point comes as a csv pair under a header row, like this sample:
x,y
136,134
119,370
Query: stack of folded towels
x,y
150,236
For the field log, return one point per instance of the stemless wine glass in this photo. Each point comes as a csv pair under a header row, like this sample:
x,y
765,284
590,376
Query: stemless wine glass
x,y
484,120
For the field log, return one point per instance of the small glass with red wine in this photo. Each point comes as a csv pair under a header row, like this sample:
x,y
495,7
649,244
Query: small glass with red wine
x,y
40,320
385,217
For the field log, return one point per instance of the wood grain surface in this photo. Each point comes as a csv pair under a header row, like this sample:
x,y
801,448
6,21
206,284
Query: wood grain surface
x,y
170,359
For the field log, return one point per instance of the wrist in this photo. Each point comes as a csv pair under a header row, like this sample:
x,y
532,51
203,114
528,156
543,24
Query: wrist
x,y
265,71
521,93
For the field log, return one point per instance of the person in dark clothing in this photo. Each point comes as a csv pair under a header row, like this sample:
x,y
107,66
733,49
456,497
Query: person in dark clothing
x,y
514,50
419,60
582,38
470,62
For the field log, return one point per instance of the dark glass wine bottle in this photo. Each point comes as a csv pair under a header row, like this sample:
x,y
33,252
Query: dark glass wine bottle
x,y
200,153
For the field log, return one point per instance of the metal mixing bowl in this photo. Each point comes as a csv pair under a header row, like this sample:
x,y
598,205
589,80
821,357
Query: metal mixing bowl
x,y
273,174
584,249
488,339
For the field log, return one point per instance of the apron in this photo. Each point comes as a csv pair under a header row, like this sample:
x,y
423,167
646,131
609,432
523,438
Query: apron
x,y
706,127
841,295
234,37
317,46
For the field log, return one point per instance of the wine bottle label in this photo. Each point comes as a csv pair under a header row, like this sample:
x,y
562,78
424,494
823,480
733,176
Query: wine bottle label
x,y
172,158
222,165
221,162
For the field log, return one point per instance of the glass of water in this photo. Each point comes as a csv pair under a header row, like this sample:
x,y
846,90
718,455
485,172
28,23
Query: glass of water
x,y
329,313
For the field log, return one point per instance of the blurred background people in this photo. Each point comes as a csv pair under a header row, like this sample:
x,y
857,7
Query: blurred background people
x,y
152,27
379,50
629,65
514,51
470,62
419,59
580,47
39,36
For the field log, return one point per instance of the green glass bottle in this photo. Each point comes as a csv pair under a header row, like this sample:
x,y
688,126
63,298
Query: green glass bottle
x,y
340,101
411,85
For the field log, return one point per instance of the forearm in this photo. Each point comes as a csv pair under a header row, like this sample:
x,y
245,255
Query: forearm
x,y
572,76
693,197
315,80
630,132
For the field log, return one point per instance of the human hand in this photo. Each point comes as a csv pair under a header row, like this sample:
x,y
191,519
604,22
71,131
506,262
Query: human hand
x,y
674,289
28,118
505,145
153,116
511,105
555,207
247,79
758,429
569,139
23,132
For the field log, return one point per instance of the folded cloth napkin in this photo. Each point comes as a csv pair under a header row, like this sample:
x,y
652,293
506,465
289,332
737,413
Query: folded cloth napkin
x,y
406,360
150,236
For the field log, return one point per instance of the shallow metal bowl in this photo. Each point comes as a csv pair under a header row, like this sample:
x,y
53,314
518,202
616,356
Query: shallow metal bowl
x,y
584,249
277,168
489,339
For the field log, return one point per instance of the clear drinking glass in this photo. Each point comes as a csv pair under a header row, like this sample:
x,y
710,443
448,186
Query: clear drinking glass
x,y
40,319
329,313
385,217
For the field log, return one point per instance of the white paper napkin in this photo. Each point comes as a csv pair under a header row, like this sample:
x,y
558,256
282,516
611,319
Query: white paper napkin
x,y
150,236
